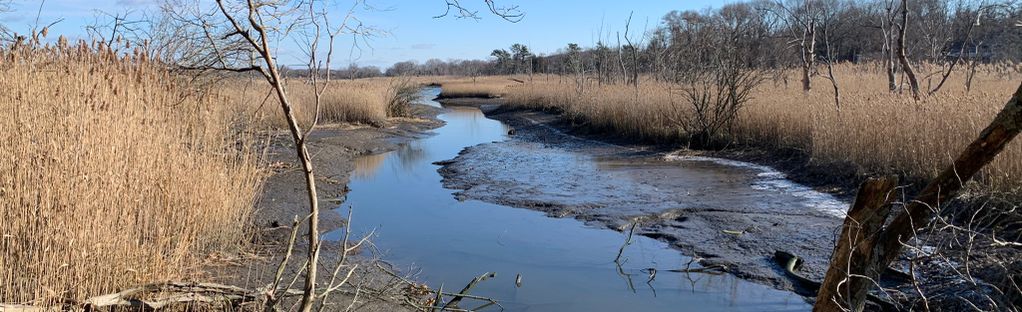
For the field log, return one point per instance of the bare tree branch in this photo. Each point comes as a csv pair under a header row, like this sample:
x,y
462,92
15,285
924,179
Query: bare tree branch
x,y
509,13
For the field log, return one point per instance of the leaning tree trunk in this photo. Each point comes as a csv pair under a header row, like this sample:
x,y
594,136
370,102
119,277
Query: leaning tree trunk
x,y
301,147
843,287
871,258
902,57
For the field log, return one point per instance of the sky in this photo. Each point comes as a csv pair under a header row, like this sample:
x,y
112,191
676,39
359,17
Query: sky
x,y
413,31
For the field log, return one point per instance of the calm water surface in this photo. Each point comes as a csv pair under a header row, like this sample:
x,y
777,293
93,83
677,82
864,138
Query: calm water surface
x,y
565,265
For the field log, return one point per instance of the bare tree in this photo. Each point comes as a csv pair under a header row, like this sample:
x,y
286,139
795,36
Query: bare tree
x,y
973,19
633,52
258,35
906,67
114,28
509,13
717,82
864,252
887,18
240,36
830,23
577,66
802,18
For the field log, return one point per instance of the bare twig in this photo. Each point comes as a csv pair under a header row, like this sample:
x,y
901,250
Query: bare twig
x,y
628,241
510,13
464,291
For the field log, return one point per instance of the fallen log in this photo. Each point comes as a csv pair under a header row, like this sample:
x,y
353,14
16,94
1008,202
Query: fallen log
x,y
158,296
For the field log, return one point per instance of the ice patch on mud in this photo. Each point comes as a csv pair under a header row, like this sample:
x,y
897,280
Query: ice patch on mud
x,y
769,179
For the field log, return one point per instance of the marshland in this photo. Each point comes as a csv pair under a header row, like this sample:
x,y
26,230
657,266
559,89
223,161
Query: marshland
x,y
278,155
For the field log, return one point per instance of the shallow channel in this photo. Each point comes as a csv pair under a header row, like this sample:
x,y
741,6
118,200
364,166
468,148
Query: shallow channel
x,y
564,264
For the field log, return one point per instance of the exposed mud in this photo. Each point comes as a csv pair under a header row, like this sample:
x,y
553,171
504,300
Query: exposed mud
x,y
566,265
725,212
335,150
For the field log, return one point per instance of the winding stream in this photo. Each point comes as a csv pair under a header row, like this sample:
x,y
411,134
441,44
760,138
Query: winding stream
x,y
564,264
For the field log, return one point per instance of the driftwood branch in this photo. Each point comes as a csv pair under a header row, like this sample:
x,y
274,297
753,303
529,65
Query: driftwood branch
x,y
464,291
628,241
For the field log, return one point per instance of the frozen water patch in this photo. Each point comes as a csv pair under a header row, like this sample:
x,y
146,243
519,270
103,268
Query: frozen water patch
x,y
769,179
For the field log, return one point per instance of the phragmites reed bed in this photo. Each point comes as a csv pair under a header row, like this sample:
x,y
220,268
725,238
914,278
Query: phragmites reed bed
x,y
363,101
113,173
875,131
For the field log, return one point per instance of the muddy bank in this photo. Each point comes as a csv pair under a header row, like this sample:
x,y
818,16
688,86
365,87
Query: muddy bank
x,y
565,265
731,214
734,207
335,149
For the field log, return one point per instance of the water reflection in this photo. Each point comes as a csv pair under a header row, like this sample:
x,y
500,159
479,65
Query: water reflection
x,y
564,265
366,166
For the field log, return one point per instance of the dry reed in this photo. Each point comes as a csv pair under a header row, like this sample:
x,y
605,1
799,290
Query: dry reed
x,y
363,101
874,131
113,173
483,87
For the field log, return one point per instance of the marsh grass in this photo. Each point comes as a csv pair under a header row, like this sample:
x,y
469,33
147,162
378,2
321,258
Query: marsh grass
x,y
481,87
874,131
361,101
113,173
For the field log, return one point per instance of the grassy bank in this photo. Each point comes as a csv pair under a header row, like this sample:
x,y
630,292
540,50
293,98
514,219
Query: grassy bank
x,y
483,87
115,173
874,131
363,101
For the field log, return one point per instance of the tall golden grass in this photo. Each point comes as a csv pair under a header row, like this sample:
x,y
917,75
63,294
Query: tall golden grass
x,y
483,87
113,173
875,131
364,101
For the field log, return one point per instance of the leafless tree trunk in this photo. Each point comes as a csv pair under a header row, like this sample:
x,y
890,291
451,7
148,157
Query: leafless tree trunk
x,y
808,45
633,50
621,60
843,282
801,18
884,246
902,57
887,28
969,75
261,45
833,81
828,22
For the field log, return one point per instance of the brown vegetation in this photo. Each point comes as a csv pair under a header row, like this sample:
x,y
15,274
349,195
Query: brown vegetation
x,y
363,101
485,87
875,131
119,173
116,173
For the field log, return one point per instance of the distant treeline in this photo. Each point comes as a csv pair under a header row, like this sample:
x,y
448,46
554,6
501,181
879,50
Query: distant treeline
x,y
781,34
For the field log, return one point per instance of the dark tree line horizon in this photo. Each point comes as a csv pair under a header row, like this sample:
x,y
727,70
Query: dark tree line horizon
x,y
783,33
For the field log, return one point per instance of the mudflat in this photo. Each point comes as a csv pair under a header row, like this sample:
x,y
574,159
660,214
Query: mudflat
x,y
722,212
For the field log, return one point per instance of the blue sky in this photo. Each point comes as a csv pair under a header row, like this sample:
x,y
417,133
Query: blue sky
x,y
414,33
